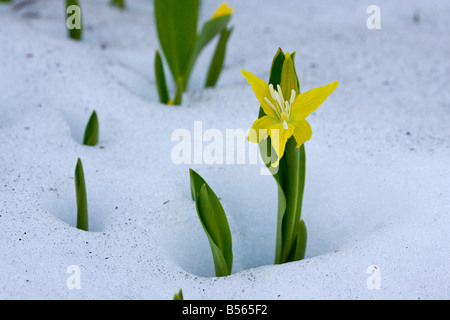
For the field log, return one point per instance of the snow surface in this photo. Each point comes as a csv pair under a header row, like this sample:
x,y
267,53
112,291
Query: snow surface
x,y
377,189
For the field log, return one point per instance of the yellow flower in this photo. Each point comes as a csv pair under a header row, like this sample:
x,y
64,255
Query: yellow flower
x,y
284,118
223,10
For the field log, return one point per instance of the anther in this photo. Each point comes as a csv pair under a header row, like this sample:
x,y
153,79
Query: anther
x,y
292,96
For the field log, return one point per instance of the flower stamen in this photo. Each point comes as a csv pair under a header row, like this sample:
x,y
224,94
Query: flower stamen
x,y
282,107
272,106
280,94
293,94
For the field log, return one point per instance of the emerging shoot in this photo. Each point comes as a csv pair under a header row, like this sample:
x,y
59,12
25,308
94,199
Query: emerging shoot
x,y
91,134
214,222
74,22
82,206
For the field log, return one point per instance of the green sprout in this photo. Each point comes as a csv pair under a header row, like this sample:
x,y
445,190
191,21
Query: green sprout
x,y
91,134
118,3
82,206
181,43
214,222
74,23
179,295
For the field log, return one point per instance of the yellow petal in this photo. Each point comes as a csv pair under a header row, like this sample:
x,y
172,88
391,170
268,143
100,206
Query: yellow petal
x,y
279,137
261,129
222,10
306,103
261,90
302,132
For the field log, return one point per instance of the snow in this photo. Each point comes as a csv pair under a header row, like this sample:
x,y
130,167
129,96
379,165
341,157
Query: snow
x,y
377,188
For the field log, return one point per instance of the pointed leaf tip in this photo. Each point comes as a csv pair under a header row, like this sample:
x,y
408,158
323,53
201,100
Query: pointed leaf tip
x,y
91,134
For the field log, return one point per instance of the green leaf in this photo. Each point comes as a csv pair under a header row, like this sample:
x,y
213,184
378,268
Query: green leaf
x,y
299,248
179,295
161,79
219,56
196,183
176,22
210,29
277,67
80,188
214,222
91,134
74,20
294,159
213,229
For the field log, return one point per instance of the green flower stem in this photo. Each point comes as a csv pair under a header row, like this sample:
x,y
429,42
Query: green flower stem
x,y
180,90
295,159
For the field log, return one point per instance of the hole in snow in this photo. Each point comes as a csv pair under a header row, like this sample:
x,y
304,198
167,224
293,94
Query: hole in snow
x,y
77,121
338,209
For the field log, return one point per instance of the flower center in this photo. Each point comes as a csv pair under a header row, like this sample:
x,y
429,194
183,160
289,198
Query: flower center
x,y
281,107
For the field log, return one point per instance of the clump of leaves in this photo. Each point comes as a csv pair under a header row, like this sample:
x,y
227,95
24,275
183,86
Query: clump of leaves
x,y
181,44
179,295
214,222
